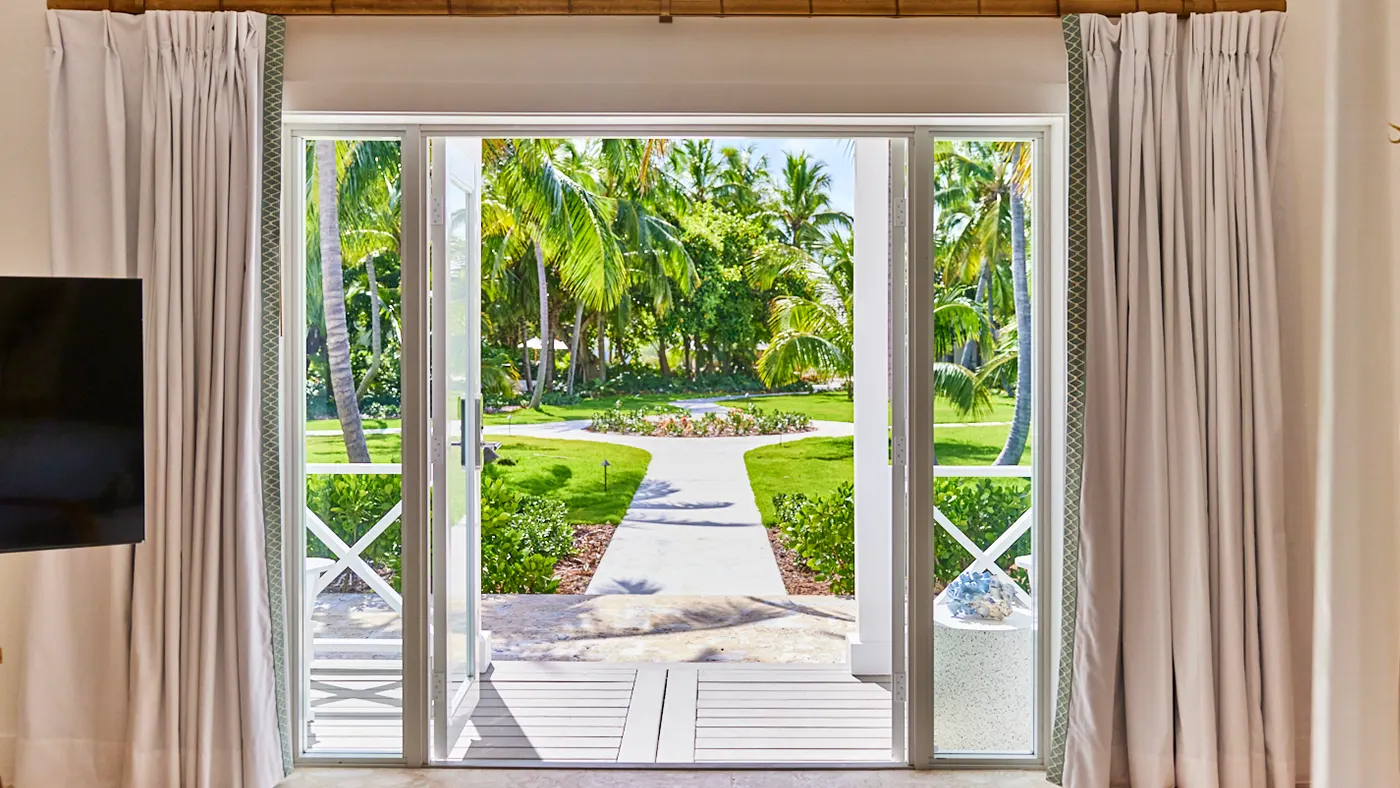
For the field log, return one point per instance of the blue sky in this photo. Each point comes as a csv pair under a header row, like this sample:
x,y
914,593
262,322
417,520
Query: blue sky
x,y
837,154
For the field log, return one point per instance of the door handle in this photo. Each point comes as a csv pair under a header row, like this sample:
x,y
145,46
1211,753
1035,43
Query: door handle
x,y
462,427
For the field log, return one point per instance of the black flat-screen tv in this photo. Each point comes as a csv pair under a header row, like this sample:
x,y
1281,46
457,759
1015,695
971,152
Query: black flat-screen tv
x,y
72,470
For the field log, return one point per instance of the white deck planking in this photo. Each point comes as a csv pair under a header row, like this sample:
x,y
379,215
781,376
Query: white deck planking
x,y
645,713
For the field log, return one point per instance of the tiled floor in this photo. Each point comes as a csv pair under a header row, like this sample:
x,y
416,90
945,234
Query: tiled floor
x,y
538,778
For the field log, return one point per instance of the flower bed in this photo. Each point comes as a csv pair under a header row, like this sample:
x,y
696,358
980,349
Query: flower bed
x,y
671,422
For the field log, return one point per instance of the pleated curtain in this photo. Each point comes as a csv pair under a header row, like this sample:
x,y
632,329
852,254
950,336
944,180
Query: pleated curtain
x,y
1181,672
152,667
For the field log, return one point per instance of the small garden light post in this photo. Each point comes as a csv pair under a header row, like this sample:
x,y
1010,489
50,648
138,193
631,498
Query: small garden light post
x,y
605,475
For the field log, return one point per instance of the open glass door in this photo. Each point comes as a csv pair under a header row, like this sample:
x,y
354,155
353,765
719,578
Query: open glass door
x,y
460,651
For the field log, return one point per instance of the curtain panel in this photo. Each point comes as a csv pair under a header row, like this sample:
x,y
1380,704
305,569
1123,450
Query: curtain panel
x,y
154,666
1176,669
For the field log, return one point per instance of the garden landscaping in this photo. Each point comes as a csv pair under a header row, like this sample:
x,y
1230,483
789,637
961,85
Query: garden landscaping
x,y
673,422
838,406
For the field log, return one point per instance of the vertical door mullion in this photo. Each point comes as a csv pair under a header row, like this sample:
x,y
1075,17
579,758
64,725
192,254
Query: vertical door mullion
x,y
899,305
293,371
415,449
921,451
437,271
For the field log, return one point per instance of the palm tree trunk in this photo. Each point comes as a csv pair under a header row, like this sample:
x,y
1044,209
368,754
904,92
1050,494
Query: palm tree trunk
x,y
376,331
1021,417
685,344
970,350
661,355
602,350
525,346
545,337
347,407
573,345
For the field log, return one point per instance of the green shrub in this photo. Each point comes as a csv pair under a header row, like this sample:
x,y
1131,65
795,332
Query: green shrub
x,y
984,509
544,524
350,505
822,531
522,537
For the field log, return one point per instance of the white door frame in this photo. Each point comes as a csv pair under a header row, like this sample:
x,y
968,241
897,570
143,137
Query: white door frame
x,y
913,532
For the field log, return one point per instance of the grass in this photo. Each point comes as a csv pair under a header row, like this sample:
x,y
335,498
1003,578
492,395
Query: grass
x,y
814,466
571,471
584,409
835,406
817,466
370,424
331,448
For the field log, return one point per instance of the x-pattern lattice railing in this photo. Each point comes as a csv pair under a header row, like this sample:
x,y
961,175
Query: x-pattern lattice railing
x,y
987,559
348,556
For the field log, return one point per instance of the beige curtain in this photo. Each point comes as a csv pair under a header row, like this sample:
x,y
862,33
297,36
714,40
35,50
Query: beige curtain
x,y
152,667
1182,674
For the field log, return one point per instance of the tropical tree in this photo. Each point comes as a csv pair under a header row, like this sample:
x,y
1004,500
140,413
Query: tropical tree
x,y
632,174
803,203
745,181
342,378
553,211
815,332
980,193
1017,175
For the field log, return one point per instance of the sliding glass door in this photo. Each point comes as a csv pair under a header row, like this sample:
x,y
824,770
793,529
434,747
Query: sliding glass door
x,y
983,284
459,651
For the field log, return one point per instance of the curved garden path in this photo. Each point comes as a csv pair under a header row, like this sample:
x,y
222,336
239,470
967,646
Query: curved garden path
x,y
693,527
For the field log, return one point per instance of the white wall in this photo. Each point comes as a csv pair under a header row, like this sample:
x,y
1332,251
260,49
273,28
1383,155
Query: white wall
x,y
694,65
25,250
752,66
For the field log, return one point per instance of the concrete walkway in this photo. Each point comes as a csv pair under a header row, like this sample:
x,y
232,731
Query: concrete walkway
x,y
693,527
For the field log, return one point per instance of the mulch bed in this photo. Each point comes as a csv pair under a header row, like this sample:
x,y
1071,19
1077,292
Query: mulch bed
x,y
576,571
797,578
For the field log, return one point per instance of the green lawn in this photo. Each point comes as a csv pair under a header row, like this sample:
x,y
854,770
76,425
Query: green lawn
x,y
331,448
817,466
571,471
813,466
583,409
834,406
334,424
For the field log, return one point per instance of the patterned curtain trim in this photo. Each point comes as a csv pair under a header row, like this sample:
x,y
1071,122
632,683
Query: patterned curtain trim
x,y
1077,325
271,238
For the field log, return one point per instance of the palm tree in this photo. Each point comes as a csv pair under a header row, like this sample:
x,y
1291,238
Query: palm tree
x,y
658,263
980,193
694,164
1018,180
554,210
803,203
745,181
369,200
817,333
333,302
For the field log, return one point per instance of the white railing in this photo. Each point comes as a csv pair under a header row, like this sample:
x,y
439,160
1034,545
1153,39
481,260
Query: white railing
x,y
987,559
348,556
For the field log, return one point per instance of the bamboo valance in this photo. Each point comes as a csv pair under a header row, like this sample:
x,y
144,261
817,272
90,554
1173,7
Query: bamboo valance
x,y
667,8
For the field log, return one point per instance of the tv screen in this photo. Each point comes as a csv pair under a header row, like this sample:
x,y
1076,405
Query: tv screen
x,y
71,435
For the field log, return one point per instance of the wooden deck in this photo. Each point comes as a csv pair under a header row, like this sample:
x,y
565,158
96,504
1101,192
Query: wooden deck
x,y
635,713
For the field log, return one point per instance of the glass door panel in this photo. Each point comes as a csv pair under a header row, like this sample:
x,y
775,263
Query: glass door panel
x,y
347,406
984,612
459,650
